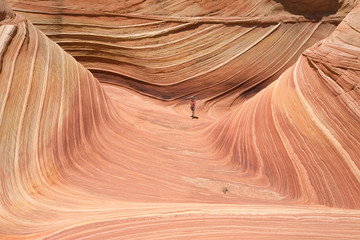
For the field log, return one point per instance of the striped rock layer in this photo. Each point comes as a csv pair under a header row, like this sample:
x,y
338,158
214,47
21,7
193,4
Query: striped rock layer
x,y
174,49
80,159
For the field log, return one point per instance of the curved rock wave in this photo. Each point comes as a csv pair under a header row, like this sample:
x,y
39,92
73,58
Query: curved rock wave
x,y
310,114
174,49
80,159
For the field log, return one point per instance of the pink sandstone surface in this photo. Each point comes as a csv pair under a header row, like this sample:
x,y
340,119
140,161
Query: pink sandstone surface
x,y
169,49
105,149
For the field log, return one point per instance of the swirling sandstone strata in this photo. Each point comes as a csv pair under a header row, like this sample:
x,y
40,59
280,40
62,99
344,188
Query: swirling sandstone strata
x,y
84,160
304,126
174,49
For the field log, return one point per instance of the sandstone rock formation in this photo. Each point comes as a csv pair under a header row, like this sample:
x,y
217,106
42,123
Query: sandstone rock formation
x,y
175,49
80,159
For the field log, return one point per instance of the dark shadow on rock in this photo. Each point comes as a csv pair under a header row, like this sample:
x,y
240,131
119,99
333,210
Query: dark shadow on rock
x,y
5,11
311,9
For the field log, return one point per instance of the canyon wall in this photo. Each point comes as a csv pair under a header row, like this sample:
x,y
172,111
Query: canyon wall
x,y
174,49
84,157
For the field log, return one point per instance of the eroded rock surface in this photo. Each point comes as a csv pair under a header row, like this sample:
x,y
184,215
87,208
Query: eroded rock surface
x,y
80,159
174,49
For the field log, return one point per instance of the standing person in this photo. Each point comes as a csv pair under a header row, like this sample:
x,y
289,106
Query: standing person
x,y
192,106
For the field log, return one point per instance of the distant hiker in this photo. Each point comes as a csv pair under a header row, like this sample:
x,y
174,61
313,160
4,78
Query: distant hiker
x,y
192,107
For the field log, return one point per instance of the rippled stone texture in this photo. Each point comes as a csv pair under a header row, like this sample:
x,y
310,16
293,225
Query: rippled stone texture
x,y
81,159
175,49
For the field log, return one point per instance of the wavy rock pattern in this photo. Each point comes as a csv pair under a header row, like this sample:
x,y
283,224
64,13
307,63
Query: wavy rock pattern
x,y
174,49
84,160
